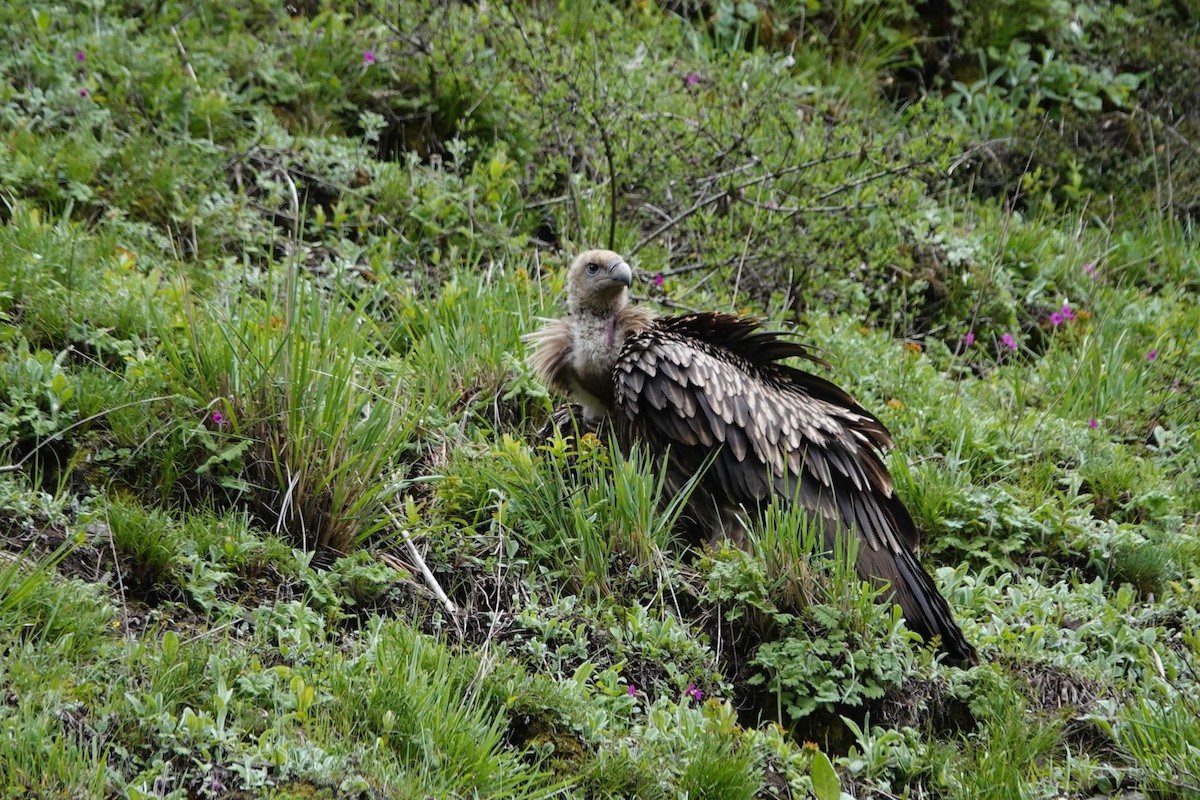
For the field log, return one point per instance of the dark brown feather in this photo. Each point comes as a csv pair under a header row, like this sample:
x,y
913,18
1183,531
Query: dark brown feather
x,y
684,385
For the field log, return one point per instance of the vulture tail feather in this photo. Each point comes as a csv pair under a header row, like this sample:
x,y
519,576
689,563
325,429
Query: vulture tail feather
x,y
927,611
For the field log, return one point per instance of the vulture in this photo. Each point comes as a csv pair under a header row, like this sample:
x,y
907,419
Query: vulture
x,y
710,393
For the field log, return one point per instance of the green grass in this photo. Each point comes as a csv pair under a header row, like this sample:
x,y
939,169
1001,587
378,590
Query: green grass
x,y
264,274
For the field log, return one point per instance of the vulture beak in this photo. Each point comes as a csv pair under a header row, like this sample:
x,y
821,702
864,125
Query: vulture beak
x,y
621,272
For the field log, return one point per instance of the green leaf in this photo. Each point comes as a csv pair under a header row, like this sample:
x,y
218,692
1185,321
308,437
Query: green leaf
x,y
41,18
826,785
1086,101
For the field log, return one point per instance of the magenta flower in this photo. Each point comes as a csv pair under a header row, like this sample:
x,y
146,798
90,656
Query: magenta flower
x,y
691,79
1152,355
1176,386
368,56
968,339
632,690
83,92
1067,312
1008,341
694,692
659,279
1056,319
80,56
771,204
218,418
1093,424
1090,269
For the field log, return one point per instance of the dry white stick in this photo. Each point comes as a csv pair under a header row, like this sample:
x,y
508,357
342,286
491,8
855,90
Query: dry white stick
x,y
430,581
187,62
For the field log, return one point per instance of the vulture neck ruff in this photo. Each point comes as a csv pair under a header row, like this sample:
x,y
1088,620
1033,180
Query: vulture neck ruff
x,y
597,340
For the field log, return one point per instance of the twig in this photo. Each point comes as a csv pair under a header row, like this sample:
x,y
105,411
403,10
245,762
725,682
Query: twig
x,y
673,221
430,581
668,303
653,208
291,184
667,273
424,47
699,204
566,198
112,548
695,286
608,158
187,62
191,73
741,262
874,176
837,209
14,467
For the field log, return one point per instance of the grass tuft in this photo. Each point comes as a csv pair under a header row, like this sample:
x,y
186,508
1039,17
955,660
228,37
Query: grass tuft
x,y
286,420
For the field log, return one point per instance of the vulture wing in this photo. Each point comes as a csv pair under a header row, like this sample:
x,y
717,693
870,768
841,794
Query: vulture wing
x,y
708,383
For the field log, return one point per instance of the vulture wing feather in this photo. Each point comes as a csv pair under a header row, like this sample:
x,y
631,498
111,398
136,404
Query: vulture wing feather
x,y
687,384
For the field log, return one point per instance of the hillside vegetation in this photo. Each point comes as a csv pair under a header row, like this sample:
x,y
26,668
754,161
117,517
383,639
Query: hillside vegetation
x,y
264,272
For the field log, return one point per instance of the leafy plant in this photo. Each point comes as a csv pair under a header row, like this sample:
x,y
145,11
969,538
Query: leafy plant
x,y
35,396
829,646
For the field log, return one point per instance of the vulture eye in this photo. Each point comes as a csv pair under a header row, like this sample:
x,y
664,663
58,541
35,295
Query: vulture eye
x,y
593,269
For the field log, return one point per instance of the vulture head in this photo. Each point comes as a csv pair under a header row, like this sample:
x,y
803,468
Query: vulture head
x,y
598,283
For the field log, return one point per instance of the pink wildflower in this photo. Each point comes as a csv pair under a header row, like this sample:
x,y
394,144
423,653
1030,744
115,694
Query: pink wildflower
x,y
694,692
80,56
1067,312
1008,341
1093,424
1056,319
691,79
632,690
968,338
1090,269
1152,355
368,56
659,279
83,92
218,418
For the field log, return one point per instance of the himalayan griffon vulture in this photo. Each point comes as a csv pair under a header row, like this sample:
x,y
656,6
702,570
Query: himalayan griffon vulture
x,y
710,392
